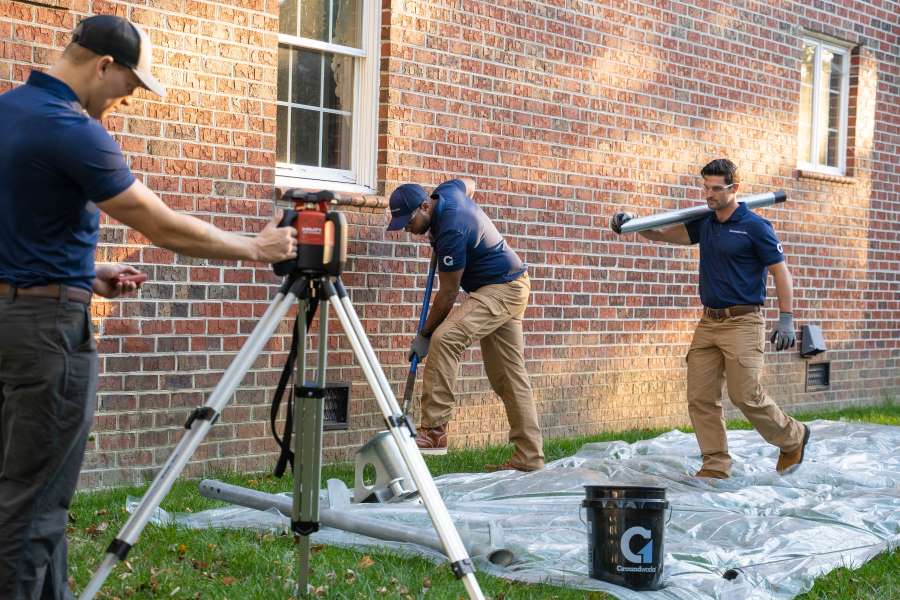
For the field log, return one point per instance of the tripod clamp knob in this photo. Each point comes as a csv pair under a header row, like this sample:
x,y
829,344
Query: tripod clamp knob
x,y
206,413
402,421
461,568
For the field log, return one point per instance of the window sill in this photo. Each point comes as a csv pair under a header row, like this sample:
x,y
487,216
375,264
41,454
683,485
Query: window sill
x,y
830,177
359,199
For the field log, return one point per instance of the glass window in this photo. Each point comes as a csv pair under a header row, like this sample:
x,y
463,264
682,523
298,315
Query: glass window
x,y
822,130
326,58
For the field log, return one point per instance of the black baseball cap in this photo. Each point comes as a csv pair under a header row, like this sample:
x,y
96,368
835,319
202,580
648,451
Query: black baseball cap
x,y
404,202
125,42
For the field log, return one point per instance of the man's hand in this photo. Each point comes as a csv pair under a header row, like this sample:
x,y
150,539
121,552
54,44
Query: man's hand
x,y
275,244
783,335
107,282
419,347
619,219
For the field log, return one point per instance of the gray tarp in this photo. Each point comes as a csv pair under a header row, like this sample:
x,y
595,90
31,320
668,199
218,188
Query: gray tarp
x,y
840,508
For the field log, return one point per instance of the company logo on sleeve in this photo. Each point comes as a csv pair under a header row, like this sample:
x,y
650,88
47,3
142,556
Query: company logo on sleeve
x,y
448,261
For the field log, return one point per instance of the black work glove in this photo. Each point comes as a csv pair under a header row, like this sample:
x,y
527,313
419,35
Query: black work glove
x,y
619,219
419,347
783,335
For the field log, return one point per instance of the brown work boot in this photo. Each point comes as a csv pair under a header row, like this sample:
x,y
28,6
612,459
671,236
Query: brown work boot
x,y
432,440
786,460
711,474
510,466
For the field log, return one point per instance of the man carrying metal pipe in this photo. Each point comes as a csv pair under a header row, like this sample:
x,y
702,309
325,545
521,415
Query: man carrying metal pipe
x,y
473,255
58,169
737,250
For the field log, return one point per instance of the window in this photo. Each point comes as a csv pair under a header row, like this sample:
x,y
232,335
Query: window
x,y
824,85
327,94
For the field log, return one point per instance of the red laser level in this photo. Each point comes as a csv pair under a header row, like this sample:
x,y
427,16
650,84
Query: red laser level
x,y
321,234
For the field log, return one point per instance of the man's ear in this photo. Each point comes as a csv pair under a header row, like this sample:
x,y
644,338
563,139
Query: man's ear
x,y
736,187
425,207
103,65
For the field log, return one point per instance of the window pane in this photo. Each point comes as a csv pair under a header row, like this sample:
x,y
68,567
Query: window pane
x,y
832,149
284,69
338,82
336,141
287,16
306,71
834,111
806,114
823,102
314,19
281,134
346,23
304,137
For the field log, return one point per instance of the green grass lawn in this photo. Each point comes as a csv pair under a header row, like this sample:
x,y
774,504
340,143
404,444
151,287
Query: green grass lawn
x,y
170,562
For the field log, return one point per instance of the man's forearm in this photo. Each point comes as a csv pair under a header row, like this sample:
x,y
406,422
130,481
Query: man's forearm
x,y
440,308
784,289
194,237
654,235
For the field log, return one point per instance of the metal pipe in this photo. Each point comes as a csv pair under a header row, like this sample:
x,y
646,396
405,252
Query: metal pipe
x,y
685,215
347,521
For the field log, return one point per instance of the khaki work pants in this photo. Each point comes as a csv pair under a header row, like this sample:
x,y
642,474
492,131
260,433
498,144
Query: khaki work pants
x,y
493,315
732,349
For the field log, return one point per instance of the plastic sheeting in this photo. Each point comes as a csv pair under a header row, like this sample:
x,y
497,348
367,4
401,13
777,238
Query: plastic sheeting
x,y
841,507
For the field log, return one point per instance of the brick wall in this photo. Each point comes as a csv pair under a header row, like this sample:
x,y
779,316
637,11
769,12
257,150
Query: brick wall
x,y
563,113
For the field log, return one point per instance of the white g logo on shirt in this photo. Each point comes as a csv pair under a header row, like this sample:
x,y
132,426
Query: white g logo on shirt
x,y
780,248
448,261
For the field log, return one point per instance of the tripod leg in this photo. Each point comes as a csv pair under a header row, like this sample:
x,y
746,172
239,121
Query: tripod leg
x,y
396,421
309,419
197,426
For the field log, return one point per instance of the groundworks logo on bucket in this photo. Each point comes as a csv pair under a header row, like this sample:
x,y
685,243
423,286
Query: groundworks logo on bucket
x,y
644,555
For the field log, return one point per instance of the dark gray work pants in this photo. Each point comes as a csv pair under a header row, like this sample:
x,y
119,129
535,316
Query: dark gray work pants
x,y
48,384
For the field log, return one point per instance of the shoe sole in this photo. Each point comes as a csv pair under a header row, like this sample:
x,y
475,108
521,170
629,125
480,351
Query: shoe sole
x,y
803,445
433,451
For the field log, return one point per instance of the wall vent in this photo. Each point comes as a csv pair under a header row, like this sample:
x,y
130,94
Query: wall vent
x,y
818,376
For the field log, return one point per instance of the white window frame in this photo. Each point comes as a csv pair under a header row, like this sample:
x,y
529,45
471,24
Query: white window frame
x,y
839,49
361,177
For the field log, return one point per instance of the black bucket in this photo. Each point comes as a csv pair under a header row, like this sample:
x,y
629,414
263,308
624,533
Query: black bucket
x,y
626,526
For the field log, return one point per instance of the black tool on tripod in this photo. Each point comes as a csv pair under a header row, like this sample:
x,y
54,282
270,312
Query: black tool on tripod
x,y
313,277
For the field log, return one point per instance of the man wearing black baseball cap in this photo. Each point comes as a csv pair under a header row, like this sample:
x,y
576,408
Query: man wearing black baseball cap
x,y
473,255
58,168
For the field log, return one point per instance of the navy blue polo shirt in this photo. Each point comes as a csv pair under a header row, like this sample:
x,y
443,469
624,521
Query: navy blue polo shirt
x,y
464,237
734,257
56,163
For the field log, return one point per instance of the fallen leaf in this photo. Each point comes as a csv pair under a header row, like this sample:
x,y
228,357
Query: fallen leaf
x,y
365,562
96,529
181,549
227,580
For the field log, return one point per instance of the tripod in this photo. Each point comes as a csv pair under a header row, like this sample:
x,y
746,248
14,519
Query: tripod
x,y
302,288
